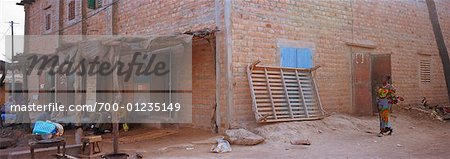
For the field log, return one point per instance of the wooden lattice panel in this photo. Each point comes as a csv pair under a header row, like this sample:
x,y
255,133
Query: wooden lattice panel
x,y
283,94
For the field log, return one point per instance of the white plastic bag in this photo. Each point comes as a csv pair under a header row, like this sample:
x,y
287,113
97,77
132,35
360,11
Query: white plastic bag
x,y
221,147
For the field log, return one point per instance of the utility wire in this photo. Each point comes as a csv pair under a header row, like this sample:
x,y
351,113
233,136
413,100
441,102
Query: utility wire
x,y
1,39
3,35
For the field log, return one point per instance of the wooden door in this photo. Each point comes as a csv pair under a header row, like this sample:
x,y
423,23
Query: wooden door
x,y
361,80
381,68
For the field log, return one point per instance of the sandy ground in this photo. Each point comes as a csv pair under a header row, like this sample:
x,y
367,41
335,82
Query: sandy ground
x,y
337,136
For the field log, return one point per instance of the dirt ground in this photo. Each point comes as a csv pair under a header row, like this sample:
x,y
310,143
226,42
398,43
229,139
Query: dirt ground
x,y
337,136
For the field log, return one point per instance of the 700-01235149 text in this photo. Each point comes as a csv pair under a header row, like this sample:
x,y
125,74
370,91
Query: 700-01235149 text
x,y
137,107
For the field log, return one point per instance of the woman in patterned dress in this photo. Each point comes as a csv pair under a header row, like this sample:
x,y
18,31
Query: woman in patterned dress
x,y
385,98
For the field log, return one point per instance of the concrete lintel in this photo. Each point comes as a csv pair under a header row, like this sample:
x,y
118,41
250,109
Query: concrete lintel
x,y
295,43
369,44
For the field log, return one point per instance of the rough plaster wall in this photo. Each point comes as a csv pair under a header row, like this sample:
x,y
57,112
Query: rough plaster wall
x,y
225,115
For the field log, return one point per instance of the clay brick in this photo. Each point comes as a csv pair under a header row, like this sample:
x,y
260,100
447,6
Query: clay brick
x,y
399,28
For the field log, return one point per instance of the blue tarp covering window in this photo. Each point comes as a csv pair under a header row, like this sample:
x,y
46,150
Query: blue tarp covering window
x,y
296,57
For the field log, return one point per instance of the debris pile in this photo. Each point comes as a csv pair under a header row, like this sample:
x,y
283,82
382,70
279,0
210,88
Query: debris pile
x,y
435,111
242,137
303,132
442,112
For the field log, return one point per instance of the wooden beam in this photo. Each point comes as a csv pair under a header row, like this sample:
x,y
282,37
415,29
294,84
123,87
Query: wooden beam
x,y
443,52
363,44
84,6
270,95
228,23
286,93
317,95
252,92
285,68
301,94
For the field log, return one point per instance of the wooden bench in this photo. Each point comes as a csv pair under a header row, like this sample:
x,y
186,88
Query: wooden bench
x,y
92,142
55,142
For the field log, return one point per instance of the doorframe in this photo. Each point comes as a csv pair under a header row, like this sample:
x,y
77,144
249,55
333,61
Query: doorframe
x,y
353,93
352,65
374,112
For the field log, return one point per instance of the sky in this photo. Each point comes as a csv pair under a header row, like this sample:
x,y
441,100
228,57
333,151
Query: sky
x,y
9,11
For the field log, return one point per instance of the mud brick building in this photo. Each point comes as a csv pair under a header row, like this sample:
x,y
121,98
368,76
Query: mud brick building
x,y
347,38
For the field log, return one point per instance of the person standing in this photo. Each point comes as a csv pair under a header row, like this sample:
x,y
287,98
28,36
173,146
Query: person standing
x,y
386,97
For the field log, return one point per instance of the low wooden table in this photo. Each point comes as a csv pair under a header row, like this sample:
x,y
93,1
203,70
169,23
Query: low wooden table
x,y
55,142
91,142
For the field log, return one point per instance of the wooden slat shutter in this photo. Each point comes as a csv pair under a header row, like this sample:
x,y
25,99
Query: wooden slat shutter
x,y
71,10
91,4
289,57
304,58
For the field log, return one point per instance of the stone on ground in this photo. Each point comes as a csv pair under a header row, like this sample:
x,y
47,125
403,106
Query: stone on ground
x,y
242,137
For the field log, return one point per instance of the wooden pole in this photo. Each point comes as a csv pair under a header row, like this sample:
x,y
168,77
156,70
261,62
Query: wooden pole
x,y
117,99
3,71
115,133
26,115
78,100
115,116
443,52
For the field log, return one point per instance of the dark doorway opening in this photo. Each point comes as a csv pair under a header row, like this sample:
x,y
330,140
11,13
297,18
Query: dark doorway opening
x,y
381,67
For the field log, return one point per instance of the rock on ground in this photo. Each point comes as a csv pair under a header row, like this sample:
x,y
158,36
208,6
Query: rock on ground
x,y
242,137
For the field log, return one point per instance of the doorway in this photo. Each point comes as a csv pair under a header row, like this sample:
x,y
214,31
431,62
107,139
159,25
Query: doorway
x,y
368,72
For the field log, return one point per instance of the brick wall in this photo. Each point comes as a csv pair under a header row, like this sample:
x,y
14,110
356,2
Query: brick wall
x,y
399,28
37,13
203,83
163,17
167,17
147,18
